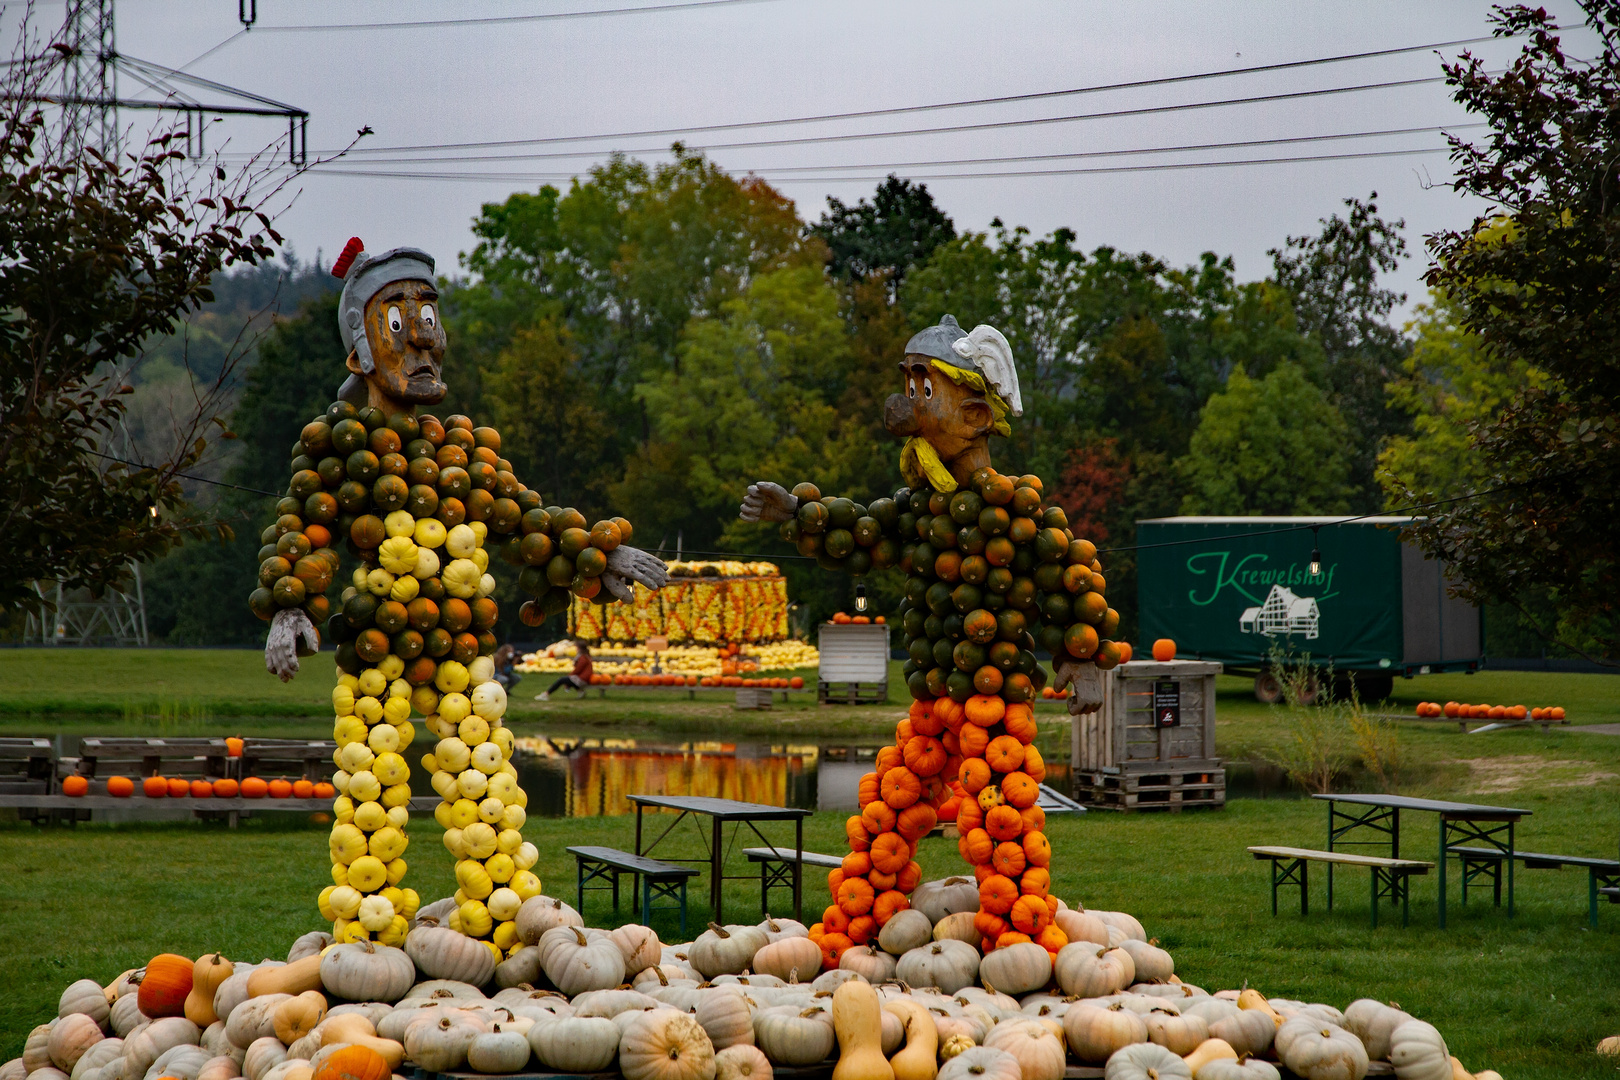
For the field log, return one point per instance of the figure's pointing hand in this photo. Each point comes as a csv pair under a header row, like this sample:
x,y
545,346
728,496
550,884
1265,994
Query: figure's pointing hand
x,y
766,501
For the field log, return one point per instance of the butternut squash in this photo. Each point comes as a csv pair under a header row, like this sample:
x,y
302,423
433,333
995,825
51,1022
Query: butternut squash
x,y
206,975
858,1023
1207,1051
1254,999
355,1028
917,1059
293,978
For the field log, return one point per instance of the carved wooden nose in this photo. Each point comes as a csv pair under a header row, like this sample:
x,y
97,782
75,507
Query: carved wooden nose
x,y
899,415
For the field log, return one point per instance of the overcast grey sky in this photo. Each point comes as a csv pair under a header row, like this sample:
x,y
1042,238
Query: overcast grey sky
x,y
772,59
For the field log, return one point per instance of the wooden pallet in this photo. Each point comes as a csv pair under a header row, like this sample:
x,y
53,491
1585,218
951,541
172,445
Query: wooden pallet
x,y
1159,787
852,693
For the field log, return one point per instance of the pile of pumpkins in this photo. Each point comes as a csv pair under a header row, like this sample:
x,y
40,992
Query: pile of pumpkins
x,y
918,1003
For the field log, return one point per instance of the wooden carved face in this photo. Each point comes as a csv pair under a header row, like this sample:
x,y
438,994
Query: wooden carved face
x,y
407,343
952,417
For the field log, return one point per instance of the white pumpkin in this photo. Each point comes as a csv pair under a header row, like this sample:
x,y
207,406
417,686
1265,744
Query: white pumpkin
x,y
575,961
905,930
1096,1032
498,1051
441,953
949,965
1247,1069
666,1045
1250,1031
367,972
102,1053
981,1063
142,1049
640,947
611,1003
1146,1061
1179,1034
87,998
777,929
1153,964
958,927
742,1062
794,1037
1081,926
1038,1051
726,950
1373,1023
1317,1050
223,1067
440,1044
1017,969
125,1014
1126,924
575,1044
309,944
264,1055
1088,970
1417,1051
726,1017
946,896
180,1062
70,1037
252,1020
541,913
869,962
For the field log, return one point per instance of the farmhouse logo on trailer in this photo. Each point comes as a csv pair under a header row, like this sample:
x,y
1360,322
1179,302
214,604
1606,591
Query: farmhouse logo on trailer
x,y
1279,610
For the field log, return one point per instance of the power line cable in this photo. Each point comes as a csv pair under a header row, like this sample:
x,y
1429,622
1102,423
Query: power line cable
x,y
186,476
909,109
419,24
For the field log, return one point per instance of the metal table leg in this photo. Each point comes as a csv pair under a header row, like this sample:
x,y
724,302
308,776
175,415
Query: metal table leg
x,y
716,869
798,871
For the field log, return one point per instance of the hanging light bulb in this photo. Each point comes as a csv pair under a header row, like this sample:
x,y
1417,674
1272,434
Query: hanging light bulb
x,y
860,596
154,510
1316,555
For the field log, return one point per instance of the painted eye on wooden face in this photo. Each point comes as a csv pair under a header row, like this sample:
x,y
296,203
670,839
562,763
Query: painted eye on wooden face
x,y
427,314
911,388
928,388
395,322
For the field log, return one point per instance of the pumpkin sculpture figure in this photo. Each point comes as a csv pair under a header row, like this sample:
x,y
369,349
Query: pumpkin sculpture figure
x,y
992,571
417,500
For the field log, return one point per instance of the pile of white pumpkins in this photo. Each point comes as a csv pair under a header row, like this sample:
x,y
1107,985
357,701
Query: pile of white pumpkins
x,y
920,1003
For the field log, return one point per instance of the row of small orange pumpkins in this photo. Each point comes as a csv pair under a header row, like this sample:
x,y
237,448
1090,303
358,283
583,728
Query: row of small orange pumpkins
x,y
175,787
845,619
1462,711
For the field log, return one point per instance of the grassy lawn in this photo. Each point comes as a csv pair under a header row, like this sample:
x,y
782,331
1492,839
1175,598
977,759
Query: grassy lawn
x,y
1529,997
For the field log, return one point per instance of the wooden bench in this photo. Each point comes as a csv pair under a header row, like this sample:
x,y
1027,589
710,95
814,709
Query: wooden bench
x,y
27,766
104,756
1390,877
310,759
1602,875
659,880
776,869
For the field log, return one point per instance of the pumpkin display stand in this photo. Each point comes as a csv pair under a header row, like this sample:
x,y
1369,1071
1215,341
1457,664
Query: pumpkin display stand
x,y
854,666
1152,744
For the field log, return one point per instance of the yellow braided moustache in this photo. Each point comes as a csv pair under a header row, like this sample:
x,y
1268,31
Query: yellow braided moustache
x,y
919,461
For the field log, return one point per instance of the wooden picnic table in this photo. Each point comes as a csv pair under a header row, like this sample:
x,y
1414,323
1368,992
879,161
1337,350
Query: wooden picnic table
x,y
722,811
1492,826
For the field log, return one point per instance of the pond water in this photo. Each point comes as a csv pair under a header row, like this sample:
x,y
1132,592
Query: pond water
x,y
589,777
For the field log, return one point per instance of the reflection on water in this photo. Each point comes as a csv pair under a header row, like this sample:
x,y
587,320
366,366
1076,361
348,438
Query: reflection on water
x,y
590,777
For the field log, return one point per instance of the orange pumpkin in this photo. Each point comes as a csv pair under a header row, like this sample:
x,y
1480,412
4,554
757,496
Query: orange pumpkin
x,y
1052,904
233,746
323,790
226,788
1029,914
1037,881
990,925
949,713
1004,753
1037,850
178,788
972,739
975,774
833,947
120,786
1034,764
924,722
303,789
834,921
835,878
953,766
997,894
909,878
855,832
980,873
1034,819
201,789
888,758
887,903
947,809
890,853
924,755
1052,939
1008,859
857,864
1020,722
976,847
164,985
969,815
951,742
915,822
254,788
1019,789
1011,937
867,790
353,1062
902,731
987,679
878,818
855,896
901,787
882,882
984,710
861,929
1003,823
76,785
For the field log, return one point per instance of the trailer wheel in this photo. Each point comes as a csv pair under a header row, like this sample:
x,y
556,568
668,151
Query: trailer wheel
x,y
1267,689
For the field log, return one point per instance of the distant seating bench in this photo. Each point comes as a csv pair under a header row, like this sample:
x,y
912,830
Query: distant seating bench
x,y
776,867
1391,878
1602,875
659,880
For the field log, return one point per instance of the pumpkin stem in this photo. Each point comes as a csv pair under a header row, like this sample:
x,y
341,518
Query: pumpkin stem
x,y
496,1028
663,979
793,975
719,931
580,934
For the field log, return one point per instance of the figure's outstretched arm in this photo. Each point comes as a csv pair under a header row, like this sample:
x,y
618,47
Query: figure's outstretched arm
x,y
561,558
839,533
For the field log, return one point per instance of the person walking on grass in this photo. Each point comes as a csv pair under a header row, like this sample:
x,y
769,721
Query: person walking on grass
x,y
506,674
579,678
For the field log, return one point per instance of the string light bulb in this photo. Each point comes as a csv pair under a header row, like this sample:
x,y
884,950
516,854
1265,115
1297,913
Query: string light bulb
x,y
860,596
1316,555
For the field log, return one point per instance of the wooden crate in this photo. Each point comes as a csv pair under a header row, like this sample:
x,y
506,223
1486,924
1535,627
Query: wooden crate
x,y
854,664
1155,787
1123,731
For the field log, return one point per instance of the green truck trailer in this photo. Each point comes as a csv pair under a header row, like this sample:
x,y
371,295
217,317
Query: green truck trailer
x,y
1241,591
